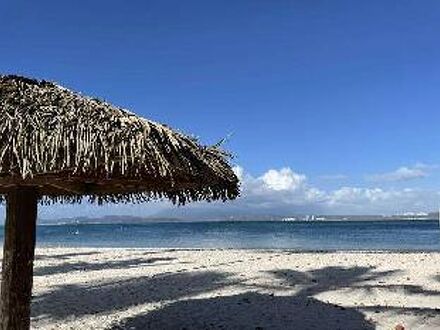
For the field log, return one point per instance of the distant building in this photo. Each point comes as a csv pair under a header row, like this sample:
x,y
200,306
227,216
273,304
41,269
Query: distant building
x,y
289,219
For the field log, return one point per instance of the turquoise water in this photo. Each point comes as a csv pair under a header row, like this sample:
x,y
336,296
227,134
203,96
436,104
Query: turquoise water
x,y
344,235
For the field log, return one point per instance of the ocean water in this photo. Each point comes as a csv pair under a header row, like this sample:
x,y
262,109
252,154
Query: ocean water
x,y
344,235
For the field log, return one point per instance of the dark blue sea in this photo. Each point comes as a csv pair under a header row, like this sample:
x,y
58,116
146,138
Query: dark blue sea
x,y
343,235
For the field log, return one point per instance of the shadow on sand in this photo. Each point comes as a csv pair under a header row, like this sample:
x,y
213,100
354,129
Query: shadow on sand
x,y
65,256
76,300
255,308
250,310
86,266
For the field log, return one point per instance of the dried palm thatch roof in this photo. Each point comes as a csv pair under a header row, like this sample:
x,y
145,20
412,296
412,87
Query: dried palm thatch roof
x,y
70,145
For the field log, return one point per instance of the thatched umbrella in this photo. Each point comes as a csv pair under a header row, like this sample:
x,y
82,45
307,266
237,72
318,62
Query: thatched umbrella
x,y
58,146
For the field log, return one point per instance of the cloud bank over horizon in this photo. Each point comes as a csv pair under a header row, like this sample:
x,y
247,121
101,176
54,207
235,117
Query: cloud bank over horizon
x,y
284,191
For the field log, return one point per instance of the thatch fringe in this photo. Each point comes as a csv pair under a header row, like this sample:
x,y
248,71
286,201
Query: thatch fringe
x,y
47,132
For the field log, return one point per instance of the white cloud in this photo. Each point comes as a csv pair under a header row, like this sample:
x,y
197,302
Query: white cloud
x,y
378,200
355,194
274,190
239,172
403,173
284,179
280,191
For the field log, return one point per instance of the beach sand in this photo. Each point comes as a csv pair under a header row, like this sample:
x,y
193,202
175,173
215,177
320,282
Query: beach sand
x,y
234,289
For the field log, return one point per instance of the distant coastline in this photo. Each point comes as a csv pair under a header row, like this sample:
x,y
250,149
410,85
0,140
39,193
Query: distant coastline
x,y
240,218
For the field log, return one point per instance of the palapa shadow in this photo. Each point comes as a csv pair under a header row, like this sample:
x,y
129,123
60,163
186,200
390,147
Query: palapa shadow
x,y
257,310
250,310
65,256
254,309
357,278
80,300
87,266
328,278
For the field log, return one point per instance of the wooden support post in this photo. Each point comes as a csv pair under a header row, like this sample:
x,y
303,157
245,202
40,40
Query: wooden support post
x,y
18,258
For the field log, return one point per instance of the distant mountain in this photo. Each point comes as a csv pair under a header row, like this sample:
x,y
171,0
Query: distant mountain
x,y
183,215
139,220
216,213
104,220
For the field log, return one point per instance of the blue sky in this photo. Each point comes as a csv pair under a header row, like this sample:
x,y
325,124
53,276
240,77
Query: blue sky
x,y
342,93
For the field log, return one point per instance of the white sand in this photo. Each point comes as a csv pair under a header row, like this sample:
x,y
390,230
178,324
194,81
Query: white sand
x,y
234,289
